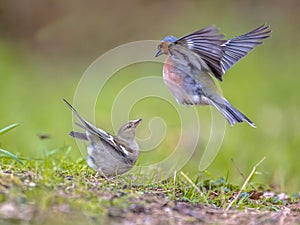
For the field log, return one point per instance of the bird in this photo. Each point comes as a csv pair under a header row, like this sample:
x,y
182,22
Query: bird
x,y
193,60
108,154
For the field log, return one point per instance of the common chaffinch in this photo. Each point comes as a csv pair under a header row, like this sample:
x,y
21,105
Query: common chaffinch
x,y
192,60
108,154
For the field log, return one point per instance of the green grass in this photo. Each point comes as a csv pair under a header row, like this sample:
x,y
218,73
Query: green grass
x,y
56,188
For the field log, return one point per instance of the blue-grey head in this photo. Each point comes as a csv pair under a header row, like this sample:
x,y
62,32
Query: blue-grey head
x,y
171,39
164,44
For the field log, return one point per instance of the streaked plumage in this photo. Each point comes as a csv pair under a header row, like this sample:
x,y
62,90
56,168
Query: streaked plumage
x,y
193,59
108,154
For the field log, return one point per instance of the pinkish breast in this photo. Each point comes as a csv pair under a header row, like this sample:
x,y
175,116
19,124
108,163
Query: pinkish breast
x,y
170,73
174,82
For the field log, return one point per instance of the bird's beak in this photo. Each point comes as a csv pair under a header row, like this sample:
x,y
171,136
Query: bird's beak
x,y
158,53
137,122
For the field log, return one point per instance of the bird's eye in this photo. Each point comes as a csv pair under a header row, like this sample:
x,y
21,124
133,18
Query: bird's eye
x,y
129,126
159,46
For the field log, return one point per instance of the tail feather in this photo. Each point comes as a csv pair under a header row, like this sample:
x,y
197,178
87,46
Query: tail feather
x,y
86,125
232,114
78,135
91,129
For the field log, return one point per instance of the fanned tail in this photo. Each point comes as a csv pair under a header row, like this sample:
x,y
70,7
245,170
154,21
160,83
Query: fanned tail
x,y
232,114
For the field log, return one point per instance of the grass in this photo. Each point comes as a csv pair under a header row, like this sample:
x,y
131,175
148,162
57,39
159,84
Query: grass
x,y
53,186
53,189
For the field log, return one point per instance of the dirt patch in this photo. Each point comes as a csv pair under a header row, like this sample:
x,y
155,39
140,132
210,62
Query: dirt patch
x,y
174,212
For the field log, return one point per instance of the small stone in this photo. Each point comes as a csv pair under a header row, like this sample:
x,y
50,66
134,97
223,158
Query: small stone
x,y
32,184
114,212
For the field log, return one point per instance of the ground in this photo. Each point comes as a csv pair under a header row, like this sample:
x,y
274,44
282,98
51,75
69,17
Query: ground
x,y
55,191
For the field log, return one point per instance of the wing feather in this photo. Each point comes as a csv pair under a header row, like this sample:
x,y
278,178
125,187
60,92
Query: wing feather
x,y
220,55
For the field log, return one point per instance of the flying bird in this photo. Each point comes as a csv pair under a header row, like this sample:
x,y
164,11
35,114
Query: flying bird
x,y
194,59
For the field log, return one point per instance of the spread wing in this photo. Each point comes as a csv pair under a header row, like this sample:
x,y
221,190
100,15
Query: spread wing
x,y
207,43
238,47
220,55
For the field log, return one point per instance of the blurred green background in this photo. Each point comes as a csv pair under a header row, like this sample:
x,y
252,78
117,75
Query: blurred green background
x,y
45,47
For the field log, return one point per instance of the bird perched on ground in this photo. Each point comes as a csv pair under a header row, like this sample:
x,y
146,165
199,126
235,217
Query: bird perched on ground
x,y
110,155
192,60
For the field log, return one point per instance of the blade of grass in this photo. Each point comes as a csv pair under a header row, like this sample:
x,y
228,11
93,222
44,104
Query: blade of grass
x,y
245,184
174,185
9,154
8,128
241,173
194,186
52,151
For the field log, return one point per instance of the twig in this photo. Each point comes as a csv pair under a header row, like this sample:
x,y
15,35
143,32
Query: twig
x,y
194,186
245,183
241,173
